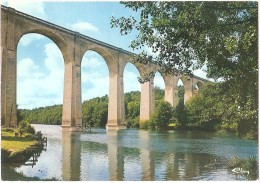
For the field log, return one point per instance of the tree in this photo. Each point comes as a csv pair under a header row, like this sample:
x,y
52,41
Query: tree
x,y
133,114
19,116
158,93
221,36
162,116
213,109
190,35
182,31
95,111
181,92
204,111
180,114
25,127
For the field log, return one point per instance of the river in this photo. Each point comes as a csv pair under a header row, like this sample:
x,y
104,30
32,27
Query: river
x,y
137,155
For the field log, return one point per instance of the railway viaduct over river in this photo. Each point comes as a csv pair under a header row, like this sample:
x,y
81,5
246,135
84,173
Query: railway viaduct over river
x,y
73,45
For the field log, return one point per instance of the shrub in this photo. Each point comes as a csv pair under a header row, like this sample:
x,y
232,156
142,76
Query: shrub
x,y
133,123
25,127
7,129
30,129
144,124
162,116
249,164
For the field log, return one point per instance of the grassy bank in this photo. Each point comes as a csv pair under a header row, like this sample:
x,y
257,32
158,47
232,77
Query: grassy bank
x,y
14,147
248,164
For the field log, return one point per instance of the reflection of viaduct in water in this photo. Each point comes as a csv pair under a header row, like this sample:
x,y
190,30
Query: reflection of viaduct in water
x,y
174,166
73,45
116,154
71,151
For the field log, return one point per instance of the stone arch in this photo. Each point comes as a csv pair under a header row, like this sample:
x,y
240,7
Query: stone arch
x,y
94,65
181,79
106,55
55,72
139,69
197,86
131,84
157,93
103,66
162,75
58,40
188,87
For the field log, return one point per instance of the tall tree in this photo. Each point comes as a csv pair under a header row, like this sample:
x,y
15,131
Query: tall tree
x,y
219,36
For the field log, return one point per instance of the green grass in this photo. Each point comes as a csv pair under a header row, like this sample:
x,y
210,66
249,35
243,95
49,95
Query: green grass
x,y
13,144
248,164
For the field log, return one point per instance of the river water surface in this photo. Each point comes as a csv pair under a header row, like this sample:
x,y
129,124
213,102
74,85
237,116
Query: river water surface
x,y
137,155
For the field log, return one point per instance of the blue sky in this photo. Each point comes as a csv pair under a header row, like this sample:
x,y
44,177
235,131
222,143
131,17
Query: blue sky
x,y
40,71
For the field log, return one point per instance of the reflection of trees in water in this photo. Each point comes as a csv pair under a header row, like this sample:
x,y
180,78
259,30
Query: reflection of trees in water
x,y
35,152
178,166
31,156
118,160
9,174
172,167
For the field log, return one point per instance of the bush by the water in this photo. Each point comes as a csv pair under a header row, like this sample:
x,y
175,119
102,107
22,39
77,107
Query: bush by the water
x,y
249,164
162,116
7,130
25,127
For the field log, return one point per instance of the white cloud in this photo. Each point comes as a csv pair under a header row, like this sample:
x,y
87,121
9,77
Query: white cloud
x,y
179,83
158,80
100,88
4,2
28,39
39,86
200,73
131,82
130,75
94,76
92,62
28,69
54,59
150,51
34,8
83,27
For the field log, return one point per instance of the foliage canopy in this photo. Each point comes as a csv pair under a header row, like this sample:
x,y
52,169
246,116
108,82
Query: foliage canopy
x,y
188,35
219,37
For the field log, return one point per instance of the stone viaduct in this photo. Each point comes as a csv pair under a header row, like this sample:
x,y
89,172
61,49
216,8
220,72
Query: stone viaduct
x,y
73,45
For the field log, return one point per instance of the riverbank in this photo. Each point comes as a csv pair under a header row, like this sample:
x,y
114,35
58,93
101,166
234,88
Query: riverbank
x,y
16,148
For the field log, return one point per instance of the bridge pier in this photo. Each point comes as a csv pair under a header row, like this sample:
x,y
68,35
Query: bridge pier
x,y
147,102
8,71
171,90
116,105
188,89
72,109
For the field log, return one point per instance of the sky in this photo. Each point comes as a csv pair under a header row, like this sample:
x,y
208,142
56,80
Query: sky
x,y
40,66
